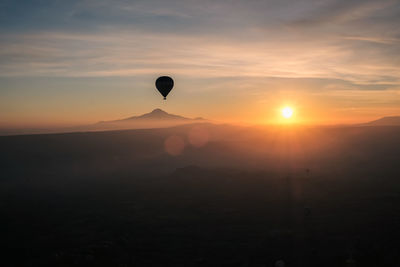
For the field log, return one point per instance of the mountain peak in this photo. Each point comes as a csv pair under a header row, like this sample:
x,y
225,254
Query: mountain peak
x,y
157,114
158,111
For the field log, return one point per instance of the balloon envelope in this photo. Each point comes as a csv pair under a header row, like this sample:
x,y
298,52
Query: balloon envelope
x,y
164,85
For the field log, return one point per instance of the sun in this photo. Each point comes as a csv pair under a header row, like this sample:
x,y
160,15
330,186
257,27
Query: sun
x,y
287,112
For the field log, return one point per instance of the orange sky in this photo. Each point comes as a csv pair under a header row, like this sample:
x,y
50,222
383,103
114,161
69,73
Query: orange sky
x,y
77,63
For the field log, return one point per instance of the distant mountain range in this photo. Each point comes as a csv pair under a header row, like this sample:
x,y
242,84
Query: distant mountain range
x,y
155,119
156,115
161,119
385,121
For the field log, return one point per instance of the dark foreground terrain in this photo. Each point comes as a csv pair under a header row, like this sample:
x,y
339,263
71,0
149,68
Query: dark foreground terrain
x,y
234,197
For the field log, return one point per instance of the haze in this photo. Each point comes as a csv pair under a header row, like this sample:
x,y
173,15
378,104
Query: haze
x,y
277,146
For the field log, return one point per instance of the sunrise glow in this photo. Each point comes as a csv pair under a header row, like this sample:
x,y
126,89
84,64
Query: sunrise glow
x,y
68,71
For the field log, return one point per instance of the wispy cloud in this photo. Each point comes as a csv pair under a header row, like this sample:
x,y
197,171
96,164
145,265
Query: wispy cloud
x,y
342,11
211,38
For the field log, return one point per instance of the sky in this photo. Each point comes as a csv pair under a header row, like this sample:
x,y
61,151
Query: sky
x,y
78,62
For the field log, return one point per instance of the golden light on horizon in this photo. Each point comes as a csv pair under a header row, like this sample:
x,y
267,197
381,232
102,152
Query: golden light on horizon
x,y
287,112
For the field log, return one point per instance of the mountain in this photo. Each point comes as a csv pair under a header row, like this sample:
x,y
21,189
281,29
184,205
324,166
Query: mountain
x,y
158,118
155,119
157,114
385,121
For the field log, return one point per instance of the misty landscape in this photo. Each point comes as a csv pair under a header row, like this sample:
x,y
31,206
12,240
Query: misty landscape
x,y
202,194
226,133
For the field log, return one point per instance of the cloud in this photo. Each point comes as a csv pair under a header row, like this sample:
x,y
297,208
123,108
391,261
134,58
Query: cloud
x,y
342,11
355,41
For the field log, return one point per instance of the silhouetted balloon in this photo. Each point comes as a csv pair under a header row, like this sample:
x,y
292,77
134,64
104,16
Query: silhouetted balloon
x,y
164,85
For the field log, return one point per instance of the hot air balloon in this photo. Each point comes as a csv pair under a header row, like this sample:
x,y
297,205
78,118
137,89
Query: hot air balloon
x,y
164,85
